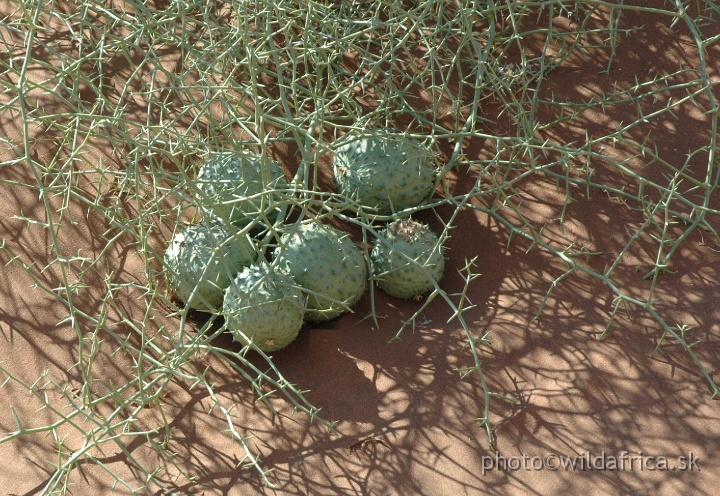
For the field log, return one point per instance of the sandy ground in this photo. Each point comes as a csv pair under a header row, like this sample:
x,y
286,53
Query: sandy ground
x,y
406,417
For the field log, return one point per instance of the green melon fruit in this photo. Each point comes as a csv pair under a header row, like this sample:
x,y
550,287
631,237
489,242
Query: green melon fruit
x,y
237,188
264,306
394,273
327,265
202,259
382,171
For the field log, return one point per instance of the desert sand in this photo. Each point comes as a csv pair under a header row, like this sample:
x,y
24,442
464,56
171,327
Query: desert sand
x,y
406,416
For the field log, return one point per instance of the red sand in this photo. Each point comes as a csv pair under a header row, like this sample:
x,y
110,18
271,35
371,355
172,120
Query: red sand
x,y
406,417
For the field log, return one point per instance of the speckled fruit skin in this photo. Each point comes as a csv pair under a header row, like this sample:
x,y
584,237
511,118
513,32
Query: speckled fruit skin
x,y
383,172
204,255
265,306
325,263
394,273
233,187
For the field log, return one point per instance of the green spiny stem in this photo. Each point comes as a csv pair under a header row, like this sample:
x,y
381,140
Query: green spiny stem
x,y
238,80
